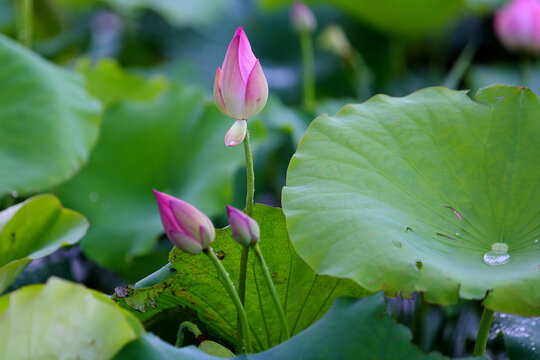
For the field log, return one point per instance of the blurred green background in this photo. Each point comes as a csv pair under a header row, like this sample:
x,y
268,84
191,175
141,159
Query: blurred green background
x,y
152,63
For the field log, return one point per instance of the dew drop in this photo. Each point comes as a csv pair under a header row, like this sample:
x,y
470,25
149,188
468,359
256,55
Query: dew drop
x,y
457,234
536,241
15,195
495,258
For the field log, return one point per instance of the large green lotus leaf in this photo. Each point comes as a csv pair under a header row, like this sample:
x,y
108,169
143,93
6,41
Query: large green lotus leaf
x,y
170,140
107,81
411,17
62,320
521,335
48,122
306,296
352,329
33,229
371,194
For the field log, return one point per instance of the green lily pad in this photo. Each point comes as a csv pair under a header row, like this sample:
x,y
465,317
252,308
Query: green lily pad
x,y
352,329
521,335
164,136
374,193
62,320
306,296
33,229
48,123
396,16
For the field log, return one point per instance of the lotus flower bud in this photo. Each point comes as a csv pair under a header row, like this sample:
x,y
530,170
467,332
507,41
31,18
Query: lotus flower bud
x,y
518,25
187,228
302,18
240,88
244,229
333,39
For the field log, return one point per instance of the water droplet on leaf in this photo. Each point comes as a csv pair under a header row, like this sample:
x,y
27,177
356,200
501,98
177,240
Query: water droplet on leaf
x,y
494,258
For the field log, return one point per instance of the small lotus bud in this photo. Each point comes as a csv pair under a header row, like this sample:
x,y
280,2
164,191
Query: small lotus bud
x,y
302,18
517,25
240,87
333,39
244,229
187,227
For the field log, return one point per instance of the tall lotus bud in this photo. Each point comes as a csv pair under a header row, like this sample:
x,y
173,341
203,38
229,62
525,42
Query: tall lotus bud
x,y
187,227
302,18
518,25
333,39
240,88
244,229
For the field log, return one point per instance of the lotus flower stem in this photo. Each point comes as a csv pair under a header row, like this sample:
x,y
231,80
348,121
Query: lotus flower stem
x,y
285,334
24,10
250,193
483,331
156,277
525,70
228,285
461,65
250,176
306,43
186,325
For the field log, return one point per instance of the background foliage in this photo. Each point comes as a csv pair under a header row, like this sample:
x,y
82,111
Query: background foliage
x,y
114,98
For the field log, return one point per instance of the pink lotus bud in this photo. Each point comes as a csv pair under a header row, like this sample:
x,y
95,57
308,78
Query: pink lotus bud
x,y
518,25
302,18
244,229
187,228
240,88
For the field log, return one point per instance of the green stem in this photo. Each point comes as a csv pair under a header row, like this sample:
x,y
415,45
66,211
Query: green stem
x,y
285,334
250,193
228,285
461,65
186,325
24,10
306,43
156,277
250,176
524,70
483,331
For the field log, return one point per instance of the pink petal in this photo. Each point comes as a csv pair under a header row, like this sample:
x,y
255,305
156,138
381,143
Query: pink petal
x,y
186,243
240,225
236,133
167,218
237,65
246,58
256,91
232,85
218,97
189,218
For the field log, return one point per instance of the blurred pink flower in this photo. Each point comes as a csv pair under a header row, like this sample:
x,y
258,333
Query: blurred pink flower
x,y
187,227
302,18
244,229
240,87
518,25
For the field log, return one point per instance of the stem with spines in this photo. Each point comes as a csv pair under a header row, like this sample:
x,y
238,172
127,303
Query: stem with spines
x,y
229,287
483,331
250,193
285,334
306,43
